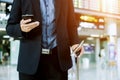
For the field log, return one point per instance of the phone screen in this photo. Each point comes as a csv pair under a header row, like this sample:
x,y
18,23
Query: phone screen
x,y
27,16
80,44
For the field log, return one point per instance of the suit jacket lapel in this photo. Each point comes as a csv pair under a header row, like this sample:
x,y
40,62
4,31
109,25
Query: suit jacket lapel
x,y
57,8
36,8
36,4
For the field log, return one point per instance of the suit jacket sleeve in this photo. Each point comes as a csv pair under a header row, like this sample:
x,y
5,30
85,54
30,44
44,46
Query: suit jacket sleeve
x,y
72,25
13,26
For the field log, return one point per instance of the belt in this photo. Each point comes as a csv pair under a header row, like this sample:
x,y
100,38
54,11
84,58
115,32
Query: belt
x,y
48,51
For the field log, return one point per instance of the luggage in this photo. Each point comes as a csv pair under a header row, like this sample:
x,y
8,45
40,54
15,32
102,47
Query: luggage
x,y
74,71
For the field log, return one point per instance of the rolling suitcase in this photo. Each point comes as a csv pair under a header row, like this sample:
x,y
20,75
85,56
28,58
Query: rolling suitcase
x,y
75,68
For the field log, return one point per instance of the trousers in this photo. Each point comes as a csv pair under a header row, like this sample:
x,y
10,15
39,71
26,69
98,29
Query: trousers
x,y
48,69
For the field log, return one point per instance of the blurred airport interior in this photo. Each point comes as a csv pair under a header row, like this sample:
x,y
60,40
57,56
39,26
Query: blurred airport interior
x,y
99,27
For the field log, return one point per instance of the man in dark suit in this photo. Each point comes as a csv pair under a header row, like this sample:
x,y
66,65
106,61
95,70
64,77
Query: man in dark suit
x,y
45,39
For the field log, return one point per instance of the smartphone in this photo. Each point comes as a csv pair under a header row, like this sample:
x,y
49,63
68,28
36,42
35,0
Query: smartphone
x,y
28,16
80,44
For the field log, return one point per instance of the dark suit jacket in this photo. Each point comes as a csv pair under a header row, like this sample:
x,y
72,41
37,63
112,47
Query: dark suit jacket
x,y
30,43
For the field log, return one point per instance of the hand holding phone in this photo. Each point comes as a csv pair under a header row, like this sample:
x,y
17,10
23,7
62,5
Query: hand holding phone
x,y
77,50
28,16
27,23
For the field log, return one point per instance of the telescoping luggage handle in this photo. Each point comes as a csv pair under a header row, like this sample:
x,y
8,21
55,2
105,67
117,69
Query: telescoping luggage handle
x,y
76,64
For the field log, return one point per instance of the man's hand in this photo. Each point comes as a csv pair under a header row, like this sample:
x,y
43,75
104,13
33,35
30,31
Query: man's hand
x,y
27,25
79,51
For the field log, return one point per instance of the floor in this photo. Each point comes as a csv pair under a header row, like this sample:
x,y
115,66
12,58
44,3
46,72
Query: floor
x,y
94,72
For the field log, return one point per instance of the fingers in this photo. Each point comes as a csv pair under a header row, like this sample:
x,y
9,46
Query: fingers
x,y
81,51
77,51
74,47
25,21
33,24
27,25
